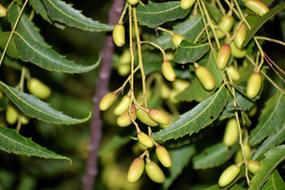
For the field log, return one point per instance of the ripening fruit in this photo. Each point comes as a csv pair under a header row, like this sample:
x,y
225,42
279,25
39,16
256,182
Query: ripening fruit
x,y
133,2
11,115
219,33
135,170
3,11
24,120
154,172
164,91
240,35
236,52
254,85
107,101
226,23
205,77
233,73
228,175
159,116
168,71
126,118
123,105
223,56
231,133
247,151
177,39
163,156
145,140
257,6
38,88
144,118
124,65
253,166
180,85
119,35
186,4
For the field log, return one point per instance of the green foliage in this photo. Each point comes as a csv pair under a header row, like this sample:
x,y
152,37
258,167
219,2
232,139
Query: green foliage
x,y
275,182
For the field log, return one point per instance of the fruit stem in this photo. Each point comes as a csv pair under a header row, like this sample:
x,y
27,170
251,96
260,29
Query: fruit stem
x,y
156,46
123,14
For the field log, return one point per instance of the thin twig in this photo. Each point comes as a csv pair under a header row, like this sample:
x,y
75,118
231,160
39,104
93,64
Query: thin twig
x,y
91,169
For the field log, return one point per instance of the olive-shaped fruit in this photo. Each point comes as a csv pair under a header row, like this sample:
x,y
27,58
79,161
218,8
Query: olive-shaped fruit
x,y
223,56
163,156
107,101
231,133
159,116
254,85
135,170
119,35
177,39
257,6
38,88
154,172
228,175
168,71
186,4
240,35
205,77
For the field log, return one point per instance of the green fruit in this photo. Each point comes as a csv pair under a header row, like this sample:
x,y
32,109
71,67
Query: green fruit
x,y
236,52
39,89
240,35
177,39
107,101
254,85
119,35
163,156
135,170
231,133
159,116
233,73
223,56
205,77
144,118
257,6
133,2
3,11
253,166
226,23
247,151
11,115
126,118
168,71
124,65
219,33
123,105
186,4
145,140
24,120
154,172
228,175
164,91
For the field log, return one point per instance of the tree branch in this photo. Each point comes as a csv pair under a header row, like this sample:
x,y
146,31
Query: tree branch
x,y
102,82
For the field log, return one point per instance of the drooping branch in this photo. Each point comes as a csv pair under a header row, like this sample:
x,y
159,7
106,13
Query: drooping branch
x,y
102,82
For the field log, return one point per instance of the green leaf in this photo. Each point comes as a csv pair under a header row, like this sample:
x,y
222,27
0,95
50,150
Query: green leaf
x,y
262,20
272,159
13,142
275,182
155,14
46,58
12,49
190,29
271,119
196,119
35,108
39,7
214,12
188,52
180,158
214,156
25,27
64,13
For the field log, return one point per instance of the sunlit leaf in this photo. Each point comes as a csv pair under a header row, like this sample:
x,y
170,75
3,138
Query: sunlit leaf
x,y
275,182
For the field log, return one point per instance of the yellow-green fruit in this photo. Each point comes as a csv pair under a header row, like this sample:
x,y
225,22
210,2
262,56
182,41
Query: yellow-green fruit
x,y
154,172
144,118
24,120
126,118
233,73
205,77
186,4
253,166
107,101
231,133
119,35
124,70
145,140
228,175
3,11
163,156
164,91
177,39
180,85
123,105
39,89
226,23
133,2
223,56
247,151
257,6
254,85
124,65
219,33
135,170
168,71
240,35
159,116
236,52
11,115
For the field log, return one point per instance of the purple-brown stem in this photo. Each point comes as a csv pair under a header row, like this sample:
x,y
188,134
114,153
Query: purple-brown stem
x,y
91,169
